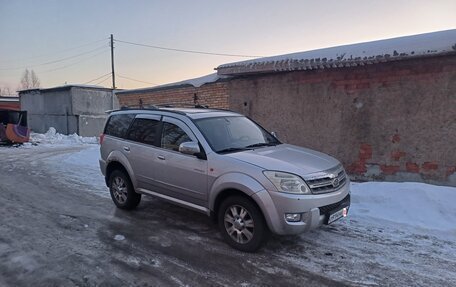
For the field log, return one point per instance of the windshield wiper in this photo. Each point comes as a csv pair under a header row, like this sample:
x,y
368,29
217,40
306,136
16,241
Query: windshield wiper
x,y
261,144
232,149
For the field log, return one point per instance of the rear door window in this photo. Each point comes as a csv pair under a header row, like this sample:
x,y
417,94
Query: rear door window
x,y
144,131
117,125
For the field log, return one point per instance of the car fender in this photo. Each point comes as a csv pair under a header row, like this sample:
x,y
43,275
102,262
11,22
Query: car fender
x,y
234,180
117,156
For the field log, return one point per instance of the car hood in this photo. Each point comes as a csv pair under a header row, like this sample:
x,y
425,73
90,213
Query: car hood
x,y
287,158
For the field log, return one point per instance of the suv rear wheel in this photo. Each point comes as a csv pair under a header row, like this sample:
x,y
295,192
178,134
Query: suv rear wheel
x,y
242,224
122,192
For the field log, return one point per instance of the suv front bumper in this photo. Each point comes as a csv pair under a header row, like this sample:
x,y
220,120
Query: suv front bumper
x,y
314,209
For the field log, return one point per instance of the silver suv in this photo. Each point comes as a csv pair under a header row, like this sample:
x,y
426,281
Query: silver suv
x,y
224,165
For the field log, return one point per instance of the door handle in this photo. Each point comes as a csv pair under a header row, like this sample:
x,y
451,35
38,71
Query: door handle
x,y
126,148
161,157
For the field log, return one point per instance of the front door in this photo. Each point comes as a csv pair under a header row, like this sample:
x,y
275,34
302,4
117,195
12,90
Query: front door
x,y
180,175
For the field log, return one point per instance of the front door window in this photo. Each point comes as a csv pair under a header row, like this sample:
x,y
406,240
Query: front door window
x,y
173,136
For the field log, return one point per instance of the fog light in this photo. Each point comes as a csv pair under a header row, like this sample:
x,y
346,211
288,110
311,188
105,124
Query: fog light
x,y
292,217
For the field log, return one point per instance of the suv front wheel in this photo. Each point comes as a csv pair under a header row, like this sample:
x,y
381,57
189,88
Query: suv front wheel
x,y
242,224
122,192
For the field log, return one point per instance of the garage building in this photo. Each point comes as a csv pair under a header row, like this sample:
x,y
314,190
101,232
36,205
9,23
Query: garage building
x,y
386,109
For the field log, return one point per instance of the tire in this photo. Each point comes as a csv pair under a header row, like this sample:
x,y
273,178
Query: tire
x,y
122,191
242,224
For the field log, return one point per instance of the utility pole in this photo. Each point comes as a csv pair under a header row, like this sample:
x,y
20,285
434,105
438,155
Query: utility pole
x,y
112,63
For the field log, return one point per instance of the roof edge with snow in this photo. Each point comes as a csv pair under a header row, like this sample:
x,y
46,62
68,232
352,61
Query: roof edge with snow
x,y
422,45
63,88
195,82
9,99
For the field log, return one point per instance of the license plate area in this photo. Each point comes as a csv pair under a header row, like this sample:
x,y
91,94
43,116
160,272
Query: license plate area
x,y
338,214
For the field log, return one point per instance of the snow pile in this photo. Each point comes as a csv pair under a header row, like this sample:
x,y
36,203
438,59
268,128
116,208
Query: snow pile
x,y
350,55
419,205
51,137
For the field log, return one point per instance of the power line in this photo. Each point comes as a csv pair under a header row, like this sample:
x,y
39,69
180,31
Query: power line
x,y
58,52
71,57
186,51
55,61
135,80
104,80
97,78
75,63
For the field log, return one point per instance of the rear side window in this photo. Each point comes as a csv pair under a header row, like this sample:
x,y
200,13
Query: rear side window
x,y
143,131
117,125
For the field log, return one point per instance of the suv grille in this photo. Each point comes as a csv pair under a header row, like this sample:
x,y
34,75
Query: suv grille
x,y
327,183
343,203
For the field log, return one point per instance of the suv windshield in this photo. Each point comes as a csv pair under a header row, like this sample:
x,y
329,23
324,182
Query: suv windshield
x,y
235,133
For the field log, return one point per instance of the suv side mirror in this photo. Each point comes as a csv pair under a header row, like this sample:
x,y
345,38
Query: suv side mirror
x,y
191,148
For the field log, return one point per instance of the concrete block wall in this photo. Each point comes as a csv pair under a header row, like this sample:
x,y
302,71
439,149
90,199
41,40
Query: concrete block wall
x,y
50,103
90,105
91,125
62,124
90,102
52,109
69,110
215,95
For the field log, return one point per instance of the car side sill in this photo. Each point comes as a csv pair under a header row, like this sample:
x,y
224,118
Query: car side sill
x,y
176,201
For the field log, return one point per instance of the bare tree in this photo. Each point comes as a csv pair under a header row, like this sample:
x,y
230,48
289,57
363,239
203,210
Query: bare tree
x,y
29,80
6,91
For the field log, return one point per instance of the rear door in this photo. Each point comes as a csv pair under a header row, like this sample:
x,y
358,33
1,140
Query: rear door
x,y
180,175
115,131
141,148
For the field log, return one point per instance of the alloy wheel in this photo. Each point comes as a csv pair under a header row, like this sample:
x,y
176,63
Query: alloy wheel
x,y
239,224
119,189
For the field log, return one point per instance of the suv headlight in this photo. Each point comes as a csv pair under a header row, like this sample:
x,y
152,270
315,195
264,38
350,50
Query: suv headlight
x,y
287,182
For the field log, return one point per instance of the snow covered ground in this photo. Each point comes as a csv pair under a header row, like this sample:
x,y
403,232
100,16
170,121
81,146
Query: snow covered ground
x,y
396,233
77,166
425,207
405,231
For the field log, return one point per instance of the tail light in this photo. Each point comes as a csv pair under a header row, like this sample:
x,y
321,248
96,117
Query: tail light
x,y
102,138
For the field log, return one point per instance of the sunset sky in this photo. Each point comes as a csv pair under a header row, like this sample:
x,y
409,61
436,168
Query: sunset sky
x,y
67,41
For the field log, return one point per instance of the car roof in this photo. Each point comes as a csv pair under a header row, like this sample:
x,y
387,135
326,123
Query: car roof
x,y
192,113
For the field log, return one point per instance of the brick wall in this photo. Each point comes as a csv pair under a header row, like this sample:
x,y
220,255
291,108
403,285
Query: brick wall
x,y
214,95
390,121
393,121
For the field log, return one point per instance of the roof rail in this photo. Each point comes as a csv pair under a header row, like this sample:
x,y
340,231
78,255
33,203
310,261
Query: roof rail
x,y
123,108
158,107
126,108
182,105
